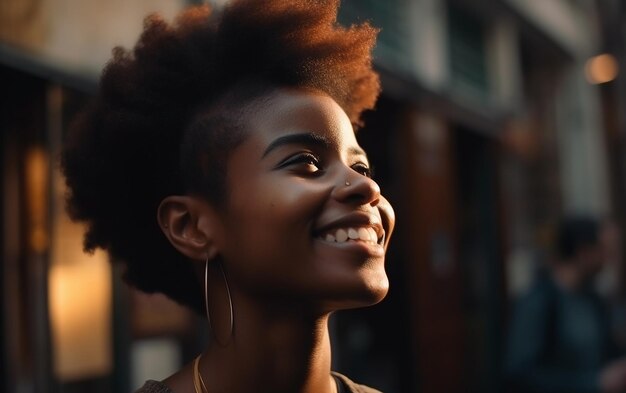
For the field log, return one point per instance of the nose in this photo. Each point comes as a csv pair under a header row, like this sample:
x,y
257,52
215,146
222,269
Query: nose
x,y
354,188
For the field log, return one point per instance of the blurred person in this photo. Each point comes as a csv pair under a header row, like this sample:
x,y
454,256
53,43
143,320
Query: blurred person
x,y
560,337
219,165
608,280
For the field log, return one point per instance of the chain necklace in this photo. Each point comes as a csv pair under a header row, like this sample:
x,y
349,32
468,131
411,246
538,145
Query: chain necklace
x,y
198,382
200,387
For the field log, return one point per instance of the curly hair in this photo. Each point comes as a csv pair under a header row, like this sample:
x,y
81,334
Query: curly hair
x,y
165,118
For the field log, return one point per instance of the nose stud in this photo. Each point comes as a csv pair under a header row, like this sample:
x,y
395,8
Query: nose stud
x,y
347,183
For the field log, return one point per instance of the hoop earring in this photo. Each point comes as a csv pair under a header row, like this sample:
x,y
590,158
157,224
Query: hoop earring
x,y
206,303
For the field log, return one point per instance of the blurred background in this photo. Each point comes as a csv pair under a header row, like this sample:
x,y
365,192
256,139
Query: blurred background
x,y
497,118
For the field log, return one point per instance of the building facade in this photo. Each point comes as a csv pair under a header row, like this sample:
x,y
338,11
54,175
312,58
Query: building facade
x,y
493,134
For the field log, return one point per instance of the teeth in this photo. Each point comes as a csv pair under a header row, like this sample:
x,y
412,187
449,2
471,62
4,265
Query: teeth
x,y
342,235
373,236
364,234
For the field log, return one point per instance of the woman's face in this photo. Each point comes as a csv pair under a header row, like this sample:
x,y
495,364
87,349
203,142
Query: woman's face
x,y
303,221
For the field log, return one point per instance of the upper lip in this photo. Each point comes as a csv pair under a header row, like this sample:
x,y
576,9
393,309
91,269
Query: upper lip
x,y
355,220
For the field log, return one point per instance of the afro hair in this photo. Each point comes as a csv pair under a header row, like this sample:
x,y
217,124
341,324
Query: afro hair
x,y
138,141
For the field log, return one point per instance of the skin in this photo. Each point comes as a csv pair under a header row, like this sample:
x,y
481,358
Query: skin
x,y
581,268
286,184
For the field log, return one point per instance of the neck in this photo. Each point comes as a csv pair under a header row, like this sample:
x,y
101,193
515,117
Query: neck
x,y
273,350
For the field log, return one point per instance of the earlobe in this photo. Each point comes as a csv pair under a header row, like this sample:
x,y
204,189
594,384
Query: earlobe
x,y
190,225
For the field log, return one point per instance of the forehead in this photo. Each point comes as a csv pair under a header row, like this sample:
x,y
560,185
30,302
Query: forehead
x,y
290,111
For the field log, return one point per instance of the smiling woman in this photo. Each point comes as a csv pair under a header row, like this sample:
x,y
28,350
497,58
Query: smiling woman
x,y
219,165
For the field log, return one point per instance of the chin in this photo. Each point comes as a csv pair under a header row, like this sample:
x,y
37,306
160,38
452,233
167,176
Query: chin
x,y
376,290
367,292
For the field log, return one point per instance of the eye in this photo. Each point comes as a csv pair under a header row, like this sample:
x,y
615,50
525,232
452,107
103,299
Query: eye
x,y
363,169
304,162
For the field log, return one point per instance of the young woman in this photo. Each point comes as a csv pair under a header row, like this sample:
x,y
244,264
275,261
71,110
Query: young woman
x,y
219,164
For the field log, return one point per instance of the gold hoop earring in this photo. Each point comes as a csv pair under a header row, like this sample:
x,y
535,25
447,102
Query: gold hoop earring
x,y
198,383
206,304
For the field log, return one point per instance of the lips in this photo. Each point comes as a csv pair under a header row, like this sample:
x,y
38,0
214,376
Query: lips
x,y
354,227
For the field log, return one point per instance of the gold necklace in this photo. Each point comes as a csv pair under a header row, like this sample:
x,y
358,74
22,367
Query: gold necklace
x,y
198,382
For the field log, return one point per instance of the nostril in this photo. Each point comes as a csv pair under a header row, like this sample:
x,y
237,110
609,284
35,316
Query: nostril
x,y
357,198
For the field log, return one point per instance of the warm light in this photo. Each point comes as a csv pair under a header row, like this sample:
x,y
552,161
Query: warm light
x,y
601,69
80,312
36,183
520,138
79,301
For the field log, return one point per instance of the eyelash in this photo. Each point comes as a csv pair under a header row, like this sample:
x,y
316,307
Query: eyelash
x,y
303,158
363,170
309,158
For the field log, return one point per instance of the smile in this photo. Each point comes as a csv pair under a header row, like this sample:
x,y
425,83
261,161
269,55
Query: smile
x,y
351,234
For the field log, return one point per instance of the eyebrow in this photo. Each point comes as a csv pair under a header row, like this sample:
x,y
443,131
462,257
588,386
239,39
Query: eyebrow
x,y
356,151
308,139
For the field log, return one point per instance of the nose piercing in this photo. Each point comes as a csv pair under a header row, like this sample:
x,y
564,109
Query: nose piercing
x,y
347,183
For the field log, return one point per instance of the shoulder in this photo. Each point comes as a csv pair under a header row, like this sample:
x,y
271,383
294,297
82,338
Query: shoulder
x,y
354,387
154,387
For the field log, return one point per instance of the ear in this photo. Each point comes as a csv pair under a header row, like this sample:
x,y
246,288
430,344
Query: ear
x,y
191,225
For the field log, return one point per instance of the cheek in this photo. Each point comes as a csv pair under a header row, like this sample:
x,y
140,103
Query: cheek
x,y
270,223
277,204
387,213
